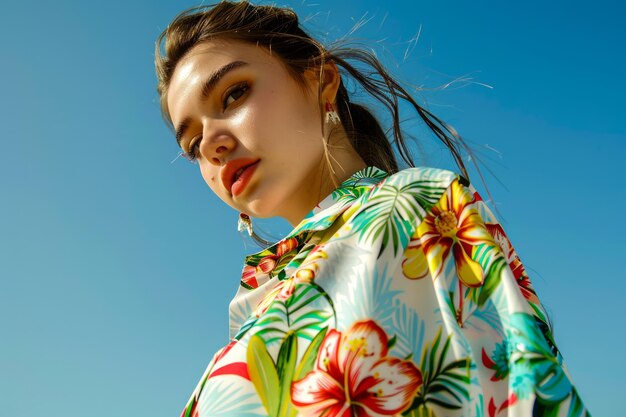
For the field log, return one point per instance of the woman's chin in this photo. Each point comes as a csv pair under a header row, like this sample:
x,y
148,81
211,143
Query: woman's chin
x,y
256,207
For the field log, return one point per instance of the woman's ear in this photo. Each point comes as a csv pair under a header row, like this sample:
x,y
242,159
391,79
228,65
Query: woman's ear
x,y
330,79
331,82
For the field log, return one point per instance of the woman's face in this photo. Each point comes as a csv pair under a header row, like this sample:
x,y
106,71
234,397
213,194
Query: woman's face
x,y
256,132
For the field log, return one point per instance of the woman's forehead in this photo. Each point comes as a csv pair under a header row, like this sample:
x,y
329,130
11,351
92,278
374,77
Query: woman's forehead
x,y
207,58
211,54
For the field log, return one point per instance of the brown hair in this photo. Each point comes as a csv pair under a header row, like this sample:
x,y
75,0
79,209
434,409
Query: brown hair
x,y
278,30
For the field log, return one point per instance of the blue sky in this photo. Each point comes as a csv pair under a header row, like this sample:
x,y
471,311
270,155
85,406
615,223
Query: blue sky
x,y
117,266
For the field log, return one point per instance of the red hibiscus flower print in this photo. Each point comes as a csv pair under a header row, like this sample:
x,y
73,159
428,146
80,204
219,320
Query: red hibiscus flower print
x,y
353,376
253,274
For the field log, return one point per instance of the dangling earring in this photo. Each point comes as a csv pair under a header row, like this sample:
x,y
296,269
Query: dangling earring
x,y
331,114
245,223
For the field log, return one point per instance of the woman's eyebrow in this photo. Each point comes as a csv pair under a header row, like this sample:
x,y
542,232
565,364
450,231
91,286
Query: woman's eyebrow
x,y
207,87
216,76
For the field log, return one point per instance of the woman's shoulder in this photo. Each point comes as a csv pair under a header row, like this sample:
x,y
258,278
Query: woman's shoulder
x,y
423,175
389,213
414,189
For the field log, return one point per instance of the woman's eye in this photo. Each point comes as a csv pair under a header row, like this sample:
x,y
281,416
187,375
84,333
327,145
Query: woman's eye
x,y
194,146
235,94
193,152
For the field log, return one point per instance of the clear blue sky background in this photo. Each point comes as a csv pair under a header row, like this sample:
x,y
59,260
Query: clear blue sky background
x,y
116,266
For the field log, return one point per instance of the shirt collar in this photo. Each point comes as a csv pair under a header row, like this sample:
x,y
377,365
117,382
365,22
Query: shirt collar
x,y
331,207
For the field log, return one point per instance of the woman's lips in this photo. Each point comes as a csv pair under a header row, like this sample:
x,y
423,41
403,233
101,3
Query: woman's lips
x,y
237,174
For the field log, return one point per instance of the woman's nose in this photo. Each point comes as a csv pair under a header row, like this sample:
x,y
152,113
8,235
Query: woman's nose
x,y
216,146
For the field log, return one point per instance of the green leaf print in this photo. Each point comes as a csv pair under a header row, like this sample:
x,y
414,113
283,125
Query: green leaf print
x,y
285,366
576,406
349,194
444,383
493,278
392,212
307,363
364,177
263,374
305,312
534,363
273,381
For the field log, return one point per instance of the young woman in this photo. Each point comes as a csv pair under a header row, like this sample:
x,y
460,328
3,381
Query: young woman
x,y
397,292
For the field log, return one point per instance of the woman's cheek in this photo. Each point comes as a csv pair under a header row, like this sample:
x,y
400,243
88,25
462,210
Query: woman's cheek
x,y
211,177
243,116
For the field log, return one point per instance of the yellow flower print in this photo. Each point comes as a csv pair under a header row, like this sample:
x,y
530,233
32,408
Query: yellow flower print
x,y
455,227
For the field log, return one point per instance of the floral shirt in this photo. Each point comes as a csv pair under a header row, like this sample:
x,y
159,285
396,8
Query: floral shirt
x,y
397,295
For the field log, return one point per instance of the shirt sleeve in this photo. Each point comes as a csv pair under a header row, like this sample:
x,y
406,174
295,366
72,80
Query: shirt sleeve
x,y
460,254
424,279
461,240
